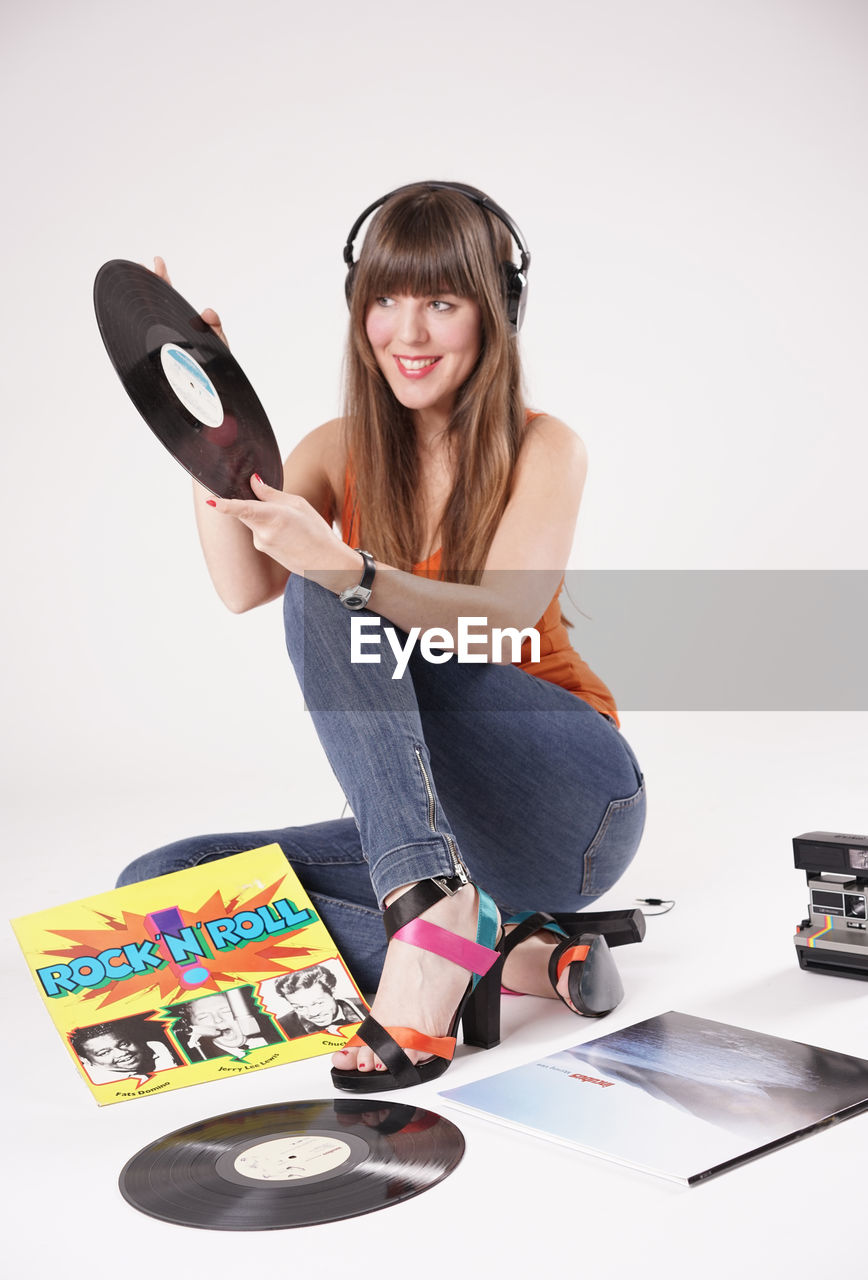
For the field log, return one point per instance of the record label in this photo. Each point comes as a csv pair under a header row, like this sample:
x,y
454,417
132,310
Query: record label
x,y
292,1164
191,385
288,1159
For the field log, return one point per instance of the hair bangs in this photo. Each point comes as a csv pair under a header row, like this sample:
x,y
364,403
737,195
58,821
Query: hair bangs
x,y
416,249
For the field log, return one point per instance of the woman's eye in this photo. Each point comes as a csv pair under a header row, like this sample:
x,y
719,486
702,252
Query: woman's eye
x,y
385,302
438,304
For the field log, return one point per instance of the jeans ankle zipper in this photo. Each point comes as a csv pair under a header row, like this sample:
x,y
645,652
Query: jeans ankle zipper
x,y
460,871
458,868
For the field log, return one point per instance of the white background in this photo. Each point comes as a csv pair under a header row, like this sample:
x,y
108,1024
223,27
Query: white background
x,y
690,177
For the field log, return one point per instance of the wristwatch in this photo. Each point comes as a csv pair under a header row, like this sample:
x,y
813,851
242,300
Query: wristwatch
x,y
357,597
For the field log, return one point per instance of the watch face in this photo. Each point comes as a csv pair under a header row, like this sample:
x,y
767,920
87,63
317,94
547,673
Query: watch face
x,y
354,598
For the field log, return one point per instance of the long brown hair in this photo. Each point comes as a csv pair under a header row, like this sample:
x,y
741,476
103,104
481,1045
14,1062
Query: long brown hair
x,y
421,242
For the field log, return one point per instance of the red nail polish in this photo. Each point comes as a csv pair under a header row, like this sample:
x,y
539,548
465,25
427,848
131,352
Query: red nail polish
x,y
209,502
258,477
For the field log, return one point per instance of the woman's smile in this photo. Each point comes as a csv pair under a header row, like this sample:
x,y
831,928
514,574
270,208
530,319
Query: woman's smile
x,y
416,366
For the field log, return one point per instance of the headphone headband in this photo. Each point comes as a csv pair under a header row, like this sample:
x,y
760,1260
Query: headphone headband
x,y
515,277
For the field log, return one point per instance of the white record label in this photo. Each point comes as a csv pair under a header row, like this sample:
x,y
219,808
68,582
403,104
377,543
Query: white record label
x,y
287,1159
191,385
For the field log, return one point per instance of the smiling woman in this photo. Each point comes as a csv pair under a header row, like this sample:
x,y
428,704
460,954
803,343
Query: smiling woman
x,y
429,285
511,774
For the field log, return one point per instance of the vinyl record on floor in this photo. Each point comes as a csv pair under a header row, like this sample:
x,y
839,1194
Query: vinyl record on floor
x,y
184,381
292,1164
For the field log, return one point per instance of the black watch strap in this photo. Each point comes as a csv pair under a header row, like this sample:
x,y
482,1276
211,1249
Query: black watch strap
x,y
357,597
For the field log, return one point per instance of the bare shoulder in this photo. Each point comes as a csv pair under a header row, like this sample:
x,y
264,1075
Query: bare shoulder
x,y
315,467
325,443
550,443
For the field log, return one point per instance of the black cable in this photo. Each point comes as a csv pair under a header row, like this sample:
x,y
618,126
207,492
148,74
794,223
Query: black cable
x,y
666,903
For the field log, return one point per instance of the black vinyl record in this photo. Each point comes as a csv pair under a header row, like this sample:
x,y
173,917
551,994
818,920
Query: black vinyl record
x,y
292,1164
184,381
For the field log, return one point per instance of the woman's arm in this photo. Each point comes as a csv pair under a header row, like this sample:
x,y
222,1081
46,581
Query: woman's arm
x,y
524,566
242,570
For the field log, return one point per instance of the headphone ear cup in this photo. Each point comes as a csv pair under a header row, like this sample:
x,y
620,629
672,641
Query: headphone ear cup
x,y
348,283
515,288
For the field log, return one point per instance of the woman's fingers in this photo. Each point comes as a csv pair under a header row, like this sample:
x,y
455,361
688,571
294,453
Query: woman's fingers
x,y
265,520
265,491
243,508
209,315
240,508
211,318
285,526
258,515
161,270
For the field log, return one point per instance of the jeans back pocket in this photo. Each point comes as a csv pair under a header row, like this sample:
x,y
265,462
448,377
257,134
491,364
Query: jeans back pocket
x,y
615,842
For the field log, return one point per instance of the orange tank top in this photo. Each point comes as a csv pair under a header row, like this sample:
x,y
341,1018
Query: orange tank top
x,y
559,662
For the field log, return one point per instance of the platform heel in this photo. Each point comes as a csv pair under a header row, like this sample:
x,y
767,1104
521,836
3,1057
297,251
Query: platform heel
x,y
480,1022
593,982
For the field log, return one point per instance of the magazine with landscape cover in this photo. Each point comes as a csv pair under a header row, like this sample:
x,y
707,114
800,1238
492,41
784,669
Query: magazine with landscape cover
x,y
675,1095
198,975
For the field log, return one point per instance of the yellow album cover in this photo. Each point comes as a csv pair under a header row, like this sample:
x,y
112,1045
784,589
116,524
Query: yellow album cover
x,y
197,975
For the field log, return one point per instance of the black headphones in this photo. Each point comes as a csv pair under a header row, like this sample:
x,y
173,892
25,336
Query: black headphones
x,y
514,277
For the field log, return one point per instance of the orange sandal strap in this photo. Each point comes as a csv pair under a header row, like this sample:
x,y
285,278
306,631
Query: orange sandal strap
x,y
410,1038
570,955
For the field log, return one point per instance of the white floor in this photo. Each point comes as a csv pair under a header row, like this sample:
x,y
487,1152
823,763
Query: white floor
x,y
727,794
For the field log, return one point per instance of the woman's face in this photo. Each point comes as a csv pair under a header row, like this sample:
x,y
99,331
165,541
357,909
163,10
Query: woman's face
x,y
426,347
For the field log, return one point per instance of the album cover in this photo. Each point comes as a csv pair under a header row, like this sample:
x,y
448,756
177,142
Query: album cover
x,y
675,1095
202,974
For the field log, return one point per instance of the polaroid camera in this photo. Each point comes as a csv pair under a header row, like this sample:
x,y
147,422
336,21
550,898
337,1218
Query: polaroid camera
x,y
834,939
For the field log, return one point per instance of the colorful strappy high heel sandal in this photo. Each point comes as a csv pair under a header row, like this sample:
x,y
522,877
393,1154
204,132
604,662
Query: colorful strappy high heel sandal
x,y
478,1011
593,981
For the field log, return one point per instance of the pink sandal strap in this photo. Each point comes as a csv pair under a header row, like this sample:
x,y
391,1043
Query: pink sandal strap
x,y
442,942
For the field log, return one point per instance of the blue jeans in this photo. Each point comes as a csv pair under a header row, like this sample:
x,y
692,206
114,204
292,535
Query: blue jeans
x,y
524,784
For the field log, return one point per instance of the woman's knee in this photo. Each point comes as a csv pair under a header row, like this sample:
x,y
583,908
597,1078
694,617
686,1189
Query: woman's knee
x,y
314,623
293,611
179,856
306,604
